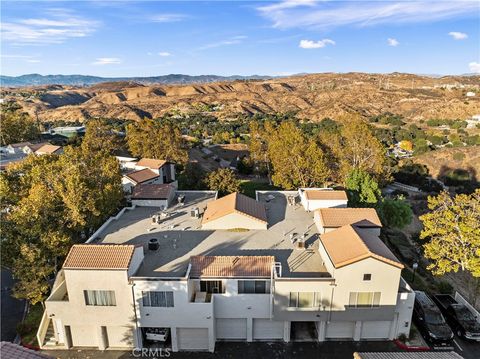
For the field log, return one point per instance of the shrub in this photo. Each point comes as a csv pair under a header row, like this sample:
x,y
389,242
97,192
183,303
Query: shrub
x,y
458,156
444,287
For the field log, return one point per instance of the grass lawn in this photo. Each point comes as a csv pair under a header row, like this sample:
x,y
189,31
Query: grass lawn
x,y
248,187
28,329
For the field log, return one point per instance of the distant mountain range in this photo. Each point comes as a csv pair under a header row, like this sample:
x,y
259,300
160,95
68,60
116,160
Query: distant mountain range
x,y
86,80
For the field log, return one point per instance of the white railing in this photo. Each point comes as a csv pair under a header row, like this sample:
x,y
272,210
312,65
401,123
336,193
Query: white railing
x,y
42,328
460,299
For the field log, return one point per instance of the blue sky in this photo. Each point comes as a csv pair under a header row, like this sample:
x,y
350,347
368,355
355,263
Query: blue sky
x,y
134,38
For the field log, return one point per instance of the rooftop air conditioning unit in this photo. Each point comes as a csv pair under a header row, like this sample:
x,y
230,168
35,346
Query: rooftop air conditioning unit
x,y
181,199
195,212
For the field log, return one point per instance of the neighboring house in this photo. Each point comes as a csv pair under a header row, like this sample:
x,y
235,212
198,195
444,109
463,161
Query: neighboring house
x,y
235,211
126,160
15,148
135,178
149,170
470,94
153,195
143,273
49,150
329,219
31,148
314,198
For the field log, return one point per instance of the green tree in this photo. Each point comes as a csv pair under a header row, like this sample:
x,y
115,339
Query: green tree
x,y
395,213
101,136
362,189
223,180
357,148
192,177
48,203
17,126
157,139
297,161
452,231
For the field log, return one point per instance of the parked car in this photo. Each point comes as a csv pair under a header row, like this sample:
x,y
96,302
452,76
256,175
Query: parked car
x,y
459,317
430,321
157,334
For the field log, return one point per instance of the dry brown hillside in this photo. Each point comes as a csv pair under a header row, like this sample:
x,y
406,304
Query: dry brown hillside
x,y
443,160
312,97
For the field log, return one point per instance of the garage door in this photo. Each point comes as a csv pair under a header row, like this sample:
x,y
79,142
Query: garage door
x,y
232,328
264,329
192,338
340,330
375,330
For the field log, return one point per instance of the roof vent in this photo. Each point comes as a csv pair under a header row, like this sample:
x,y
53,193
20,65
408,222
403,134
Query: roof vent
x,y
153,244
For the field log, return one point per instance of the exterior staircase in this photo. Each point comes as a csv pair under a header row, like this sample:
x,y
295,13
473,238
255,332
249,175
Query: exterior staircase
x,y
50,336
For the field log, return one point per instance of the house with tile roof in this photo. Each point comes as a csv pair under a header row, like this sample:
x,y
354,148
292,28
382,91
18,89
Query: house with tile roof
x,y
147,171
207,269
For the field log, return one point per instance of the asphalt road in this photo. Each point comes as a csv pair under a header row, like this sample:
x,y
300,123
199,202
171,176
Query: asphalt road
x,y
467,348
12,309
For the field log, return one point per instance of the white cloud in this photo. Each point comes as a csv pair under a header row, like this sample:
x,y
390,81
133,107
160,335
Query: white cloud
x,y
164,18
231,41
107,61
474,67
59,26
392,42
164,54
458,35
328,14
309,44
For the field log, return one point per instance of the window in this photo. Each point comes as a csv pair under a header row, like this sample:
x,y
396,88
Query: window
x,y
364,299
305,300
211,286
367,277
253,287
157,299
100,297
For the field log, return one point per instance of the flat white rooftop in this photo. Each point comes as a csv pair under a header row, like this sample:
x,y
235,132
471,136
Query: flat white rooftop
x,y
180,236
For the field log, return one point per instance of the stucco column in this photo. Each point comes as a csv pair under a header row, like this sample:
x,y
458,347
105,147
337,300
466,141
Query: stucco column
x,y
211,340
249,329
173,333
286,331
358,330
102,345
321,330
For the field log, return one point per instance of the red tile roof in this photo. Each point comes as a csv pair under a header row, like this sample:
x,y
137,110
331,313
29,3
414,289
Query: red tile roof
x,y
349,244
152,191
13,351
142,175
231,266
151,163
99,256
325,194
235,203
48,149
337,217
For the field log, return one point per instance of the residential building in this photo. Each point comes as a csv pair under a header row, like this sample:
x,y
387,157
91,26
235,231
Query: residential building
x,y
49,149
329,219
148,171
315,198
207,269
